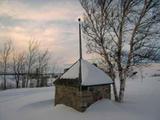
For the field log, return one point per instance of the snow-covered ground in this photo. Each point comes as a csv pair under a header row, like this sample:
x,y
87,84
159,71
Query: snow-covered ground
x,y
142,102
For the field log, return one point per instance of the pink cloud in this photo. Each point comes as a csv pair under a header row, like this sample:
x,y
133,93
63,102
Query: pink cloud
x,y
61,41
18,10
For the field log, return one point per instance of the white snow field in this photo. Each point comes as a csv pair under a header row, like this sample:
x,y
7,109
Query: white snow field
x,y
142,102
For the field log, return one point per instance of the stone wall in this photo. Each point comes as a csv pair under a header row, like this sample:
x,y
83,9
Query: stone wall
x,y
80,100
95,93
68,95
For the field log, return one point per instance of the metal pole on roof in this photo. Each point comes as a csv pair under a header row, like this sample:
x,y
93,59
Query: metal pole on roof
x,y
80,51
80,58
80,41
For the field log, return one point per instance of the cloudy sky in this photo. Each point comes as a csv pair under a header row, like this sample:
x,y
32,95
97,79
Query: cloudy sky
x,y
52,22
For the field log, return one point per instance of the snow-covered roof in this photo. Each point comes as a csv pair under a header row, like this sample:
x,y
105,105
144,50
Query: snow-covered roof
x,y
91,75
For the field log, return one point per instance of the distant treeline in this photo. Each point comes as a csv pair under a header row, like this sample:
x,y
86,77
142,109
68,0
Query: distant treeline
x,y
25,66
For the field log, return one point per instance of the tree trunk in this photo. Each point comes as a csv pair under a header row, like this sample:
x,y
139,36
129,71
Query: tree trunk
x,y
23,82
37,83
17,82
38,80
115,91
4,86
122,88
4,77
27,80
113,76
42,82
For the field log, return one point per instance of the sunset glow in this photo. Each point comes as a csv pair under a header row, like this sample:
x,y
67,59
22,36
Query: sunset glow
x,y
53,23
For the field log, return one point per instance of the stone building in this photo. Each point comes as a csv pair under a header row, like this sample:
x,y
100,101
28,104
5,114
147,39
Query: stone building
x,y
82,85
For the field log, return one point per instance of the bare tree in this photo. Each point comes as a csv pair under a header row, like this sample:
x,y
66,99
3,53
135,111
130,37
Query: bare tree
x,y
33,46
123,33
4,54
43,58
18,66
